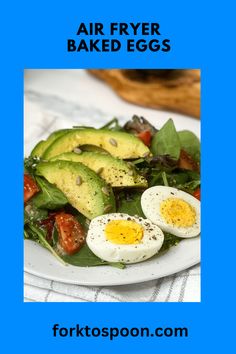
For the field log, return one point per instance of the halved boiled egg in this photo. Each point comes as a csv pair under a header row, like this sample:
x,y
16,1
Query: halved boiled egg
x,y
173,210
119,237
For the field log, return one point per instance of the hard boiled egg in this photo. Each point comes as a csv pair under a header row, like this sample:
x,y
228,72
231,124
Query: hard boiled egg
x,y
173,210
119,237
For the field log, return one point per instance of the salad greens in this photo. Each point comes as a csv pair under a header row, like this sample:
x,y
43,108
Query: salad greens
x,y
129,202
163,167
86,258
190,143
39,235
50,197
166,141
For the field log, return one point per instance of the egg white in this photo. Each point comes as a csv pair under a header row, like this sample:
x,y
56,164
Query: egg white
x,y
153,197
150,244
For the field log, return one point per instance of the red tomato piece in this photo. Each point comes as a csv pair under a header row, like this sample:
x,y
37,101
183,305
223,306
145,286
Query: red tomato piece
x,y
71,234
30,187
146,137
197,194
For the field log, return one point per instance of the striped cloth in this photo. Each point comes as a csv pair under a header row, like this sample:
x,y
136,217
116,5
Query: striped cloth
x,y
181,287
44,113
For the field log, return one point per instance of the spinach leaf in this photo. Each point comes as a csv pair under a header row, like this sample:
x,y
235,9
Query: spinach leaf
x,y
169,241
155,178
39,236
30,164
130,204
31,213
176,179
50,196
112,125
86,258
29,234
189,186
190,143
193,175
55,236
166,141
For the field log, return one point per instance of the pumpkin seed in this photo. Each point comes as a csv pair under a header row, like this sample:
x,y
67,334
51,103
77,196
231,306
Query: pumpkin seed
x,y
107,208
130,164
146,154
130,172
106,191
78,150
113,142
79,181
99,170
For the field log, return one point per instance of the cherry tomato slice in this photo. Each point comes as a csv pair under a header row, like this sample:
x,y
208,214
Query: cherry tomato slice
x,y
30,187
71,233
145,136
197,194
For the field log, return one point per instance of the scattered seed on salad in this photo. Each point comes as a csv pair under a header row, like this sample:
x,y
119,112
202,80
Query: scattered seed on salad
x,y
146,154
106,191
107,208
130,173
28,208
130,165
113,142
78,150
99,170
79,181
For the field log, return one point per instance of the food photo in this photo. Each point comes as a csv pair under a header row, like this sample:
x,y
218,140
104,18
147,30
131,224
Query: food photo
x,y
112,185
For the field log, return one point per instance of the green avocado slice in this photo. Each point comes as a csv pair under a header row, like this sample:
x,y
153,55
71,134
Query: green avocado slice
x,y
84,189
114,171
118,144
42,146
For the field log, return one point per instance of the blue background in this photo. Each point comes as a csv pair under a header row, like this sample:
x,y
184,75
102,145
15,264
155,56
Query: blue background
x,y
34,36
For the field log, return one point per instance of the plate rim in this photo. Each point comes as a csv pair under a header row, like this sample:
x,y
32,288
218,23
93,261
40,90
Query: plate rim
x,y
114,283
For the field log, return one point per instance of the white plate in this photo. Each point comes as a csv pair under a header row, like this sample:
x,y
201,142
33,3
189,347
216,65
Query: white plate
x,y
39,261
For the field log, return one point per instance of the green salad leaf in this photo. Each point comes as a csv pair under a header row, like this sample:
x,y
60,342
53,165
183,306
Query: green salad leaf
x,y
86,258
169,241
31,213
30,164
50,196
166,141
130,204
190,143
112,125
40,236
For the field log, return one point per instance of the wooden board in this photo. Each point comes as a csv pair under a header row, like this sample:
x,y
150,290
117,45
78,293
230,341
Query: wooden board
x,y
175,90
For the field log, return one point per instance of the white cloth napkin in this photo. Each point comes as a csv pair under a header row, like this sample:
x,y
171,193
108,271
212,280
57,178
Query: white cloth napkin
x,y
44,113
181,287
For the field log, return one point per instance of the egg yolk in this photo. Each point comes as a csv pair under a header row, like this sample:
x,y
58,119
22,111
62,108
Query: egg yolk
x,y
178,212
123,232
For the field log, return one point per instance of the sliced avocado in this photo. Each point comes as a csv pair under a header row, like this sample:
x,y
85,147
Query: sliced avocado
x,y
84,189
114,171
93,148
118,144
39,149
